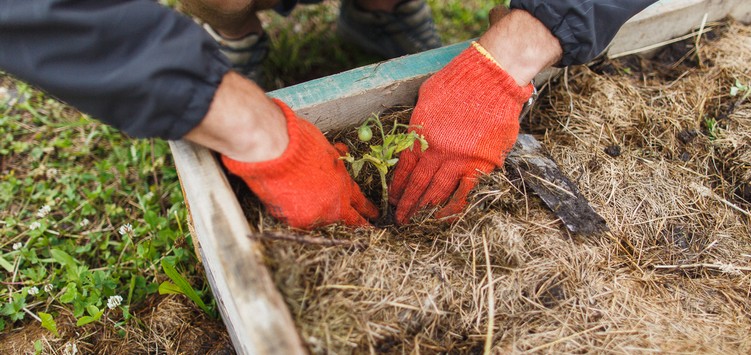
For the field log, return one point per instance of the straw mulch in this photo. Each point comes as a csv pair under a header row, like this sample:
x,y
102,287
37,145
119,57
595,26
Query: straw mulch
x,y
673,275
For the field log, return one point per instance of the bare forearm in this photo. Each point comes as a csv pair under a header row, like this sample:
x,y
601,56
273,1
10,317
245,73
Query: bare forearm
x,y
242,123
521,45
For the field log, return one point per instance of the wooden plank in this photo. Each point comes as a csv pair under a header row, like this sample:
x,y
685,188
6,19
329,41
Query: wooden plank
x,y
539,171
669,19
256,317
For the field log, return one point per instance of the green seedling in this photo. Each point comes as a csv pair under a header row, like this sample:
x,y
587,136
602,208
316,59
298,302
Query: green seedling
x,y
739,88
713,130
383,156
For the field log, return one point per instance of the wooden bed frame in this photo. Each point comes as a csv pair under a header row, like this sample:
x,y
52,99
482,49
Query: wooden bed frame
x,y
256,317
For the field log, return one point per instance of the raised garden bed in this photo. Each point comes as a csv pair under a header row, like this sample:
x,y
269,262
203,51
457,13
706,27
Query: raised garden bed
x,y
670,275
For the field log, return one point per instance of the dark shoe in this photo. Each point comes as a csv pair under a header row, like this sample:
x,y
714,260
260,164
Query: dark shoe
x,y
246,54
410,29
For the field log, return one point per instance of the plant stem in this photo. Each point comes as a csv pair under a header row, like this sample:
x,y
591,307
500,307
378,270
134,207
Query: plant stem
x,y
384,195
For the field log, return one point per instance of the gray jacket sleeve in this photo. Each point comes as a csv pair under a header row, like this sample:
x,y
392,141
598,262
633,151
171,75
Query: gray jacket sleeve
x,y
135,65
583,27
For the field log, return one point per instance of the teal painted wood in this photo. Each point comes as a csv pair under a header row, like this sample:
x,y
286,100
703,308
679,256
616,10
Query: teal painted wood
x,y
368,77
353,95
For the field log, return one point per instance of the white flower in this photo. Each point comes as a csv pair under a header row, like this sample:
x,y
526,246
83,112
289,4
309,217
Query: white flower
x,y
114,301
85,222
48,288
17,245
126,229
50,173
33,290
34,225
44,211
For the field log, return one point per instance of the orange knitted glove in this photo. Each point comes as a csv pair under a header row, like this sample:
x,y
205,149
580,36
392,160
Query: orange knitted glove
x,y
469,114
308,186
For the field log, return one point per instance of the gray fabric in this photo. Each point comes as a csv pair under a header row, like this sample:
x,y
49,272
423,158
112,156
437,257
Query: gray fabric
x,y
584,27
135,65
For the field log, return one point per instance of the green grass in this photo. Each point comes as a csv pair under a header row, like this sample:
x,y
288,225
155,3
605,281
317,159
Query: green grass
x,y
85,212
88,214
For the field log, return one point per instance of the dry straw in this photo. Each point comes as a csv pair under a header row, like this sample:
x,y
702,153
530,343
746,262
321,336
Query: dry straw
x,y
672,276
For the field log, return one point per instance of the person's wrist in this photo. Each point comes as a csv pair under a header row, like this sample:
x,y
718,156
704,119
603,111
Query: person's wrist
x,y
522,45
242,122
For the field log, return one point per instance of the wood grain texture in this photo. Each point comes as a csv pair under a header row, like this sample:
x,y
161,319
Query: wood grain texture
x,y
256,317
669,19
534,165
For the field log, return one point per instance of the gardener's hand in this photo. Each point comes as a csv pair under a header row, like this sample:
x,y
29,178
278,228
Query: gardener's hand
x,y
308,185
469,114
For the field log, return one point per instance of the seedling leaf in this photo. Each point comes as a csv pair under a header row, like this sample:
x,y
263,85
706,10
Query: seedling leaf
x,y
168,288
94,315
357,166
404,144
423,143
63,258
184,285
6,265
48,323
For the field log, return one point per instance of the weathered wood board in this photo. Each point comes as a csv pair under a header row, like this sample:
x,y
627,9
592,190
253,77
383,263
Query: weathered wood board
x,y
540,172
666,20
251,307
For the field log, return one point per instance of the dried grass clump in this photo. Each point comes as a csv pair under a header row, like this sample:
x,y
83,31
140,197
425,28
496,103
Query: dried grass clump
x,y
673,275
162,325
169,325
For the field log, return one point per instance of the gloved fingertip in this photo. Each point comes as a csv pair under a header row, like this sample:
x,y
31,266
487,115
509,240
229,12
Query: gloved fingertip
x,y
300,225
354,219
451,211
370,211
361,204
458,201
402,218
366,209
404,212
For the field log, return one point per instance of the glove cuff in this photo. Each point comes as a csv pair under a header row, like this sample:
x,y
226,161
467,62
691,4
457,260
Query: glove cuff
x,y
275,168
478,68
